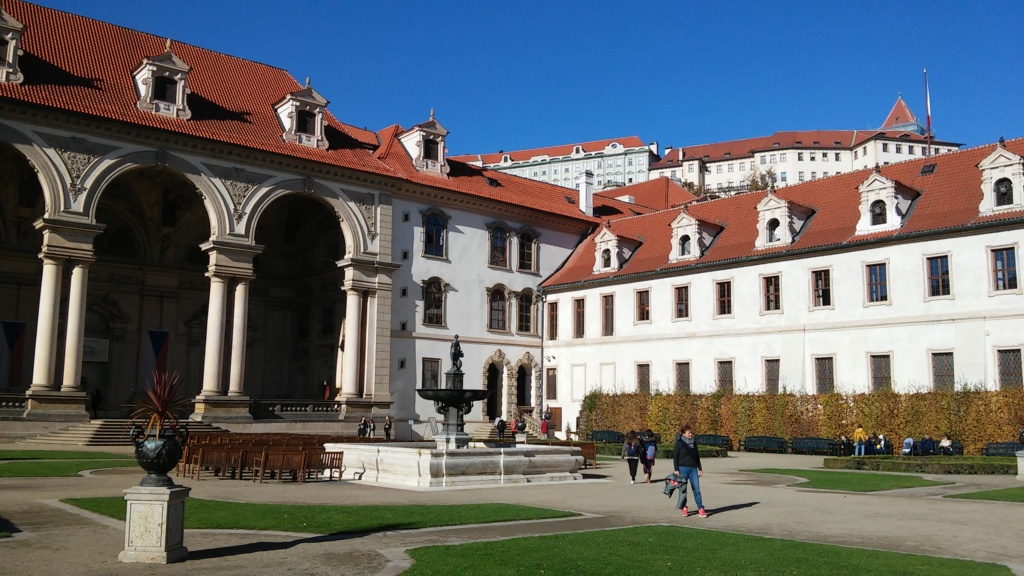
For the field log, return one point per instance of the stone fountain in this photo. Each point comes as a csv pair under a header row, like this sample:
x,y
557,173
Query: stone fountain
x,y
452,459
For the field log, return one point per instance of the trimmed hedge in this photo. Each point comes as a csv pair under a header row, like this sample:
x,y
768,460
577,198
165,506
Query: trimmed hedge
x,y
927,464
973,417
663,452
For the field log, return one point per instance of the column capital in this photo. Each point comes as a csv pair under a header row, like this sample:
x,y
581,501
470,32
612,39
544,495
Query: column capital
x,y
64,239
231,259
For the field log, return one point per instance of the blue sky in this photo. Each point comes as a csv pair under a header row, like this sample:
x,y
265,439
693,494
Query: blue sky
x,y
512,75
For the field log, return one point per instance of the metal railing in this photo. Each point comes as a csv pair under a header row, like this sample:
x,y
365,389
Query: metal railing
x,y
294,409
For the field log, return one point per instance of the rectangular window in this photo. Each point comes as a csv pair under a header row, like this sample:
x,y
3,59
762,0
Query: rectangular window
x,y
578,318
431,373
764,160
1004,269
942,371
772,159
837,156
552,320
938,276
899,148
718,169
782,157
782,176
682,302
1009,368
608,314
800,176
524,313
732,167
822,280
723,293
881,372
643,306
813,156
855,154
910,150
725,376
814,175
771,376
527,246
824,375
682,377
877,283
643,378
552,385
885,147
800,156
824,156
772,294
689,169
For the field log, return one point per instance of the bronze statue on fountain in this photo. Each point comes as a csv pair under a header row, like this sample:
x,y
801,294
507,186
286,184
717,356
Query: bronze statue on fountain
x,y
453,402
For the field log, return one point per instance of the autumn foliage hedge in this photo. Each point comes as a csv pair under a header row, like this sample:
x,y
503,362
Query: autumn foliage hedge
x,y
971,416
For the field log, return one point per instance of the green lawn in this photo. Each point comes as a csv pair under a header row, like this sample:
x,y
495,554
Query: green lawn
x,y
329,519
60,455
654,550
5,534
46,468
852,481
1001,495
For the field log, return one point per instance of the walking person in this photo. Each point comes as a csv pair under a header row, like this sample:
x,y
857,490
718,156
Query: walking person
x,y
631,451
499,425
361,430
650,444
387,428
371,427
860,438
686,460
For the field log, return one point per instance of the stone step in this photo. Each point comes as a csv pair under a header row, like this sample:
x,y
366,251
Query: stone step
x,y
108,432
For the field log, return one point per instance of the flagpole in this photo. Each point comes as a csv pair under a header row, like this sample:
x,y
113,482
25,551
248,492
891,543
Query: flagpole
x,y
928,112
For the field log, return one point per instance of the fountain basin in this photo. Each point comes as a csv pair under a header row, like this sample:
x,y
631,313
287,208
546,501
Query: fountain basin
x,y
422,464
452,397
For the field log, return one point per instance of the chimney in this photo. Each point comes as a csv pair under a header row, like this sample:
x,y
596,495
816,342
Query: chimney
x,y
653,147
586,189
668,150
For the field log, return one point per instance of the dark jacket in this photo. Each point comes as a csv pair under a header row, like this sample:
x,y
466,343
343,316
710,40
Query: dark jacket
x,y
683,455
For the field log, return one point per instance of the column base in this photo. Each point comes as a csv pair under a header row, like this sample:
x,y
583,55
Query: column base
x,y
222,409
56,406
155,525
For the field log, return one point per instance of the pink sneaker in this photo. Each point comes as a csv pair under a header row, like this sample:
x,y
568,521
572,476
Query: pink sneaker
x,y
701,513
685,512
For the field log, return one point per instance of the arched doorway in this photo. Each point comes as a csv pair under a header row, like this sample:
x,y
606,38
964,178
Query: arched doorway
x,y
522,387
494,385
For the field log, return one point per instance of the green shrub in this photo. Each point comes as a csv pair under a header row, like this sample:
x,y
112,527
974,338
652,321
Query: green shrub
x,y
927,464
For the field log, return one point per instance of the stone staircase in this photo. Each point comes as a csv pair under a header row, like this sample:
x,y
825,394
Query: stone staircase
x,y
106,432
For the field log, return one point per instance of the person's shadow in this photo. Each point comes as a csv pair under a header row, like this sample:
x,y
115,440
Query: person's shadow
x,y
729,508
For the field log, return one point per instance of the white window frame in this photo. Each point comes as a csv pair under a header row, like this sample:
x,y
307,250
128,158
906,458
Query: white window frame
x,y
866,291
927,288
831,288
732,299
892,368
689,303
636,306
931,365
989,266
763,293
814,371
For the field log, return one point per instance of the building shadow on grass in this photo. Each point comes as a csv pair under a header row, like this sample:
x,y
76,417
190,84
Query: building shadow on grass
x,y
254,547
730,508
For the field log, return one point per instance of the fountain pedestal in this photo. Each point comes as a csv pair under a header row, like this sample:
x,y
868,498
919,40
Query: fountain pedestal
x,y
453,403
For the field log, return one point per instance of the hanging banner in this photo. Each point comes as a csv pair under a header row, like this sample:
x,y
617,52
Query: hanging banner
x,y
156,353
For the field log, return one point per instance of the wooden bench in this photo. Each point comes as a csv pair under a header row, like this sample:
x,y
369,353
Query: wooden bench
x,y
716,440
763,444
588,450
608,436
1002,449
812,445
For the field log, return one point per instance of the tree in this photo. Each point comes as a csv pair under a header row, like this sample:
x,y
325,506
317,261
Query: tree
x,y
759,180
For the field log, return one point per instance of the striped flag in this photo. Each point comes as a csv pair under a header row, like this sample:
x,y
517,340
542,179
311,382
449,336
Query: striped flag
x,y
927,102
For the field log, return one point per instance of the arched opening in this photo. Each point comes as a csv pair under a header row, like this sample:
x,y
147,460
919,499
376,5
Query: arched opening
x,y
298,293
773,230
1004,192
878,212
684,245
522,387
494,385
606,258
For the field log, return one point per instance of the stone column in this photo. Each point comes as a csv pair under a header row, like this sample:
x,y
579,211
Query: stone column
x,y
239,327
215,317
46,327
353,339
75,338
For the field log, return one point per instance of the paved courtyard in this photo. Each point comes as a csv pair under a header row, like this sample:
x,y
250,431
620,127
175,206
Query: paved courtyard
x,y
57,539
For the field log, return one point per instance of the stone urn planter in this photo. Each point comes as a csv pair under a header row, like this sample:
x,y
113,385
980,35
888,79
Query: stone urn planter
x,y
158,455
159,442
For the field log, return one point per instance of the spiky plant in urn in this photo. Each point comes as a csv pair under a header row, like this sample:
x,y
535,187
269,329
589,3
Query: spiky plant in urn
x,y
156,430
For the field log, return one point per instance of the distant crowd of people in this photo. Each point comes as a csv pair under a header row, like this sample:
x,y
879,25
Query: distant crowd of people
x,y
368,428
864,444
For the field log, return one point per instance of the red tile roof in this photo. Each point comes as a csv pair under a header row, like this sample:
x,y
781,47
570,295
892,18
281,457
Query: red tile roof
x,y
85,66
552,151
900,114
949,199
657,193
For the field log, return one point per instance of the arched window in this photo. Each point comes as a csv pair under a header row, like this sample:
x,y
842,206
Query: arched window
x,y
527,249
524,313
165,89
773,230
499,248
606,258
685,245
433,235
878,212
497,310
433,303
1004,192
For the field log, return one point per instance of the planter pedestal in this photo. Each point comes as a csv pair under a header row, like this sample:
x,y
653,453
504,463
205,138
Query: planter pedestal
x,y
1020,465
155,525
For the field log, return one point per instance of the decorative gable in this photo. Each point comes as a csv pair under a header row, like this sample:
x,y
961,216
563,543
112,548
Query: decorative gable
x,y
1002,181
610,251
779,222
690,237
425,144
161,83
301,116
10,49
884,204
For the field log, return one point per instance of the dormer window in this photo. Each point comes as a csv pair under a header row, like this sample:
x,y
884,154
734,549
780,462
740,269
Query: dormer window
x,y
301,117
884,204
161,83
606,258
690,237
1002,179
10,49
878,213
779,221
425,144
612,252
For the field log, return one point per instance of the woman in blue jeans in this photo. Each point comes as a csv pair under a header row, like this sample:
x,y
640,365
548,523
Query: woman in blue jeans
x,y
686,459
